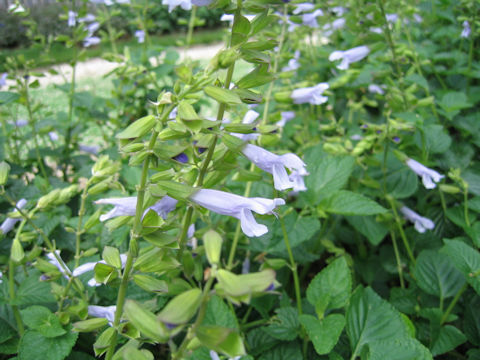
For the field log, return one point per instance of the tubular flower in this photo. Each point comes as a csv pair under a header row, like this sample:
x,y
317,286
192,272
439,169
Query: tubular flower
x,y
429,176
466,30
128,206
238,207
61,266
349,56
422,224
9,223
107,312
311,19
312,95
90,266
72,17
286,116
293,64
140,35
276,164
172,4
303,7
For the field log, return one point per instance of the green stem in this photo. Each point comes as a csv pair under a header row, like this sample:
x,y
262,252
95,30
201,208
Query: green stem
x,y
293,266
400,230
11,291
135,234
465,206
79,231
31,121
198,321
68,135
233,249
397,258
110,30
453,303
191,26
388,36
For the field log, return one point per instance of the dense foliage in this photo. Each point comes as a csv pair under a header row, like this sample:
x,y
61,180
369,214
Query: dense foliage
x,y
351,130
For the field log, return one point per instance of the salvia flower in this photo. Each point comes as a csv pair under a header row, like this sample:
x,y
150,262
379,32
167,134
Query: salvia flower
x,y
201,2
466,30
392,18
349,56
214,356
172,4
53,136
21,123
312,95
286,116
91,40
87,18
421,223
276,164
140,35
127,206
3,79
311,19
375,89
107,312
303,7
238,207
61,266
9,223
335,25
293,64
429,177
339,10
93,149
90,266
72,16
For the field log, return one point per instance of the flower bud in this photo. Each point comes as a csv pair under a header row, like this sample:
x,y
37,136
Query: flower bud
x,y
213,246
4,170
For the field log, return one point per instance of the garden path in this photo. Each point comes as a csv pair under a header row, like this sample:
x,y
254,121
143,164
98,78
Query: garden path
x,y
97,67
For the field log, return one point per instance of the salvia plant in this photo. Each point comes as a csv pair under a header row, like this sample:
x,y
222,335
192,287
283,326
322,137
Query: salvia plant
x,y
311,191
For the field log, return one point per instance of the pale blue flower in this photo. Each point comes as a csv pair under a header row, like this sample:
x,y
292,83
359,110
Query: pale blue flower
x,y
3,79
9,223
238,207
172,4
375,89
335,25
286,116
53,136
60,265
87,18
214,356
466,30
349,56
107,312
90,266
421,223
392,18
312,95
140,35
89,41
277,165
201,2
339,10
303,7
429,177
127,206
311,19
376,30
293,63
72,16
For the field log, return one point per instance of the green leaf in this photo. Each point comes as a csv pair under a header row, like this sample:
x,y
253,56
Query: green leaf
x,y
466,259
454,100
41,319
33,292
436,275
471,325
186,111
323,333
7,97
284,351
398,349
222,95
285,325
218,313
401,181
111,256
259,76
448,339
370,319
334,282
368,226
328,174
436,138
33,346
138,128
221,339
241,28
345,202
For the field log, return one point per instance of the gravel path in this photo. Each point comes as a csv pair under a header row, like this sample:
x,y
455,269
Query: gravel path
x,y
97,67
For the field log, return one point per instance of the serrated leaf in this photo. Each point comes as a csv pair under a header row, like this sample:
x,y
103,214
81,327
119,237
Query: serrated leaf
x,y
41,319
285,325
323,333
371,319
345,202
398,349
448,339
284,351
334,281
33,292
7,97
34,346
466,259
373,230
218,313
436,275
